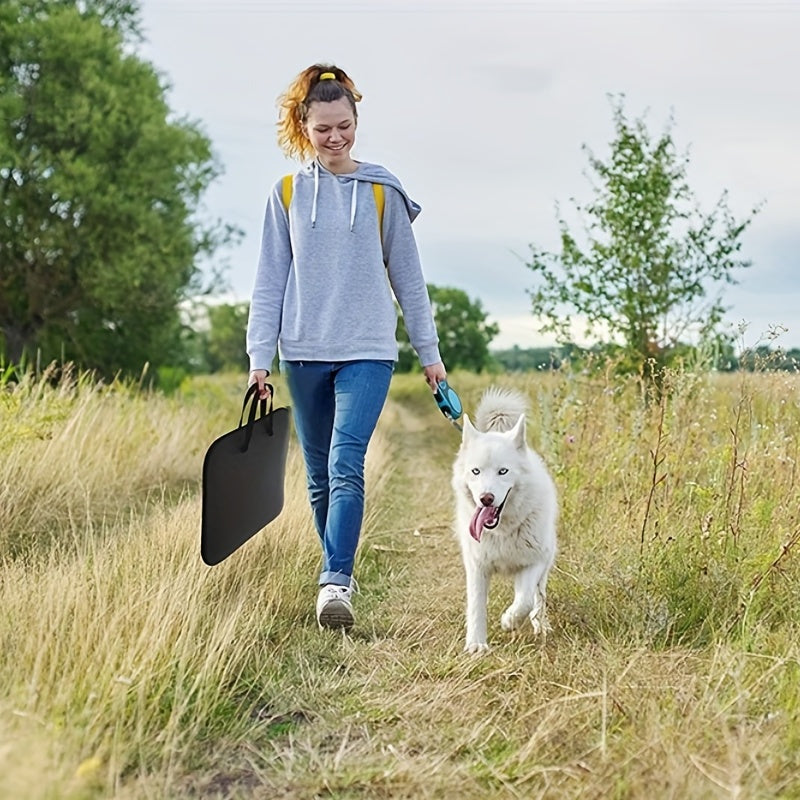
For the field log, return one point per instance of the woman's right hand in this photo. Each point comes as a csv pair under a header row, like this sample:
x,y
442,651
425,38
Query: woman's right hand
x,y
259,376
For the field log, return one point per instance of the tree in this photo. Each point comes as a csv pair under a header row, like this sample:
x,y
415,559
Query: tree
x,y
225,337
464,334
99,191
650,256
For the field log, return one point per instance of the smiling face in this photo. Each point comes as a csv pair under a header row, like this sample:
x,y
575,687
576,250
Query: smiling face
x,y
331,129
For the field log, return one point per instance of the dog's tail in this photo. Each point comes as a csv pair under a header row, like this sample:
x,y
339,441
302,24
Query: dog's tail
x,y
499,409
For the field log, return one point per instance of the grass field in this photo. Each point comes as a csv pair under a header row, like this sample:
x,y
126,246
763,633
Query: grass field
x,y
131,670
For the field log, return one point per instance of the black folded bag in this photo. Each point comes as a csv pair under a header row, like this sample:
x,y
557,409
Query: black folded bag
x,y
243,476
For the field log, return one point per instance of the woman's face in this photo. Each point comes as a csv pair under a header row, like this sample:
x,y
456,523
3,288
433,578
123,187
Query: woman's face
x,y
331,129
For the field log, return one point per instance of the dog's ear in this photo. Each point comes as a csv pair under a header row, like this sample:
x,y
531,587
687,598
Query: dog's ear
x,y
467,429
517,433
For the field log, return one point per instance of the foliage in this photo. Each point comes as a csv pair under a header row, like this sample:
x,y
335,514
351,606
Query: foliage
x,y
650,257
121,15
524,359
225,338
762,358
717,355
464,333
100,191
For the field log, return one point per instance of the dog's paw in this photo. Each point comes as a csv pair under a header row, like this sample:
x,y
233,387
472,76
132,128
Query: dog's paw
x,y
509,621
540,626
476,648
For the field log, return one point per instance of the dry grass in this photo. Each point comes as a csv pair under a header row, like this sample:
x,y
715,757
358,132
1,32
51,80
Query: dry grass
x,y
131,670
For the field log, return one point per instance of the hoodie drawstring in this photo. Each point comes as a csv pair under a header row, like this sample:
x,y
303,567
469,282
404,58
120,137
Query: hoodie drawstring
x,y
316,192
353,204
353,199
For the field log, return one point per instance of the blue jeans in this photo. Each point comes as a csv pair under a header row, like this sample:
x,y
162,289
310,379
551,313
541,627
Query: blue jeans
x,y
336,405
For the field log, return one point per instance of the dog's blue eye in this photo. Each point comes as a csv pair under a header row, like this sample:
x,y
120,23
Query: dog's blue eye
x,y
502,471
476,471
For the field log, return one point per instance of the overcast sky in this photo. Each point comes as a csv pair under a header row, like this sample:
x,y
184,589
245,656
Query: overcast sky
x,y
481,109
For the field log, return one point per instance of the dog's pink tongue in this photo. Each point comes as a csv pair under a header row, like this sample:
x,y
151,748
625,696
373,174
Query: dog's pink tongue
x,y
482,516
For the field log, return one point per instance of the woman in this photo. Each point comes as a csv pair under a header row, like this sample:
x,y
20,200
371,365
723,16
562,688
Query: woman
x,y
322,297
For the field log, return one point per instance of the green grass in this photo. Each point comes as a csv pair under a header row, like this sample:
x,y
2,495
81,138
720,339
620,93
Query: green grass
x,y
132,670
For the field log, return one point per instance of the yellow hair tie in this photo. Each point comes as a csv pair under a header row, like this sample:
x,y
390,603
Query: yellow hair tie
x,y
327,76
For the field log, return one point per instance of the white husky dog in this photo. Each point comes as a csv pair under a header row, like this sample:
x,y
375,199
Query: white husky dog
x,y
506,510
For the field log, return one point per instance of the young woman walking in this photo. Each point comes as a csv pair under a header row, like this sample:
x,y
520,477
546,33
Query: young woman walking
x,y
337,248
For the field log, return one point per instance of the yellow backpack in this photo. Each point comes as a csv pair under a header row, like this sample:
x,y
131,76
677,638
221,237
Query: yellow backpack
x,y
377,189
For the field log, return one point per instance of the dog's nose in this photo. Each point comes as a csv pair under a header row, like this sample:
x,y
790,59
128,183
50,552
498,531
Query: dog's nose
x,y
487,499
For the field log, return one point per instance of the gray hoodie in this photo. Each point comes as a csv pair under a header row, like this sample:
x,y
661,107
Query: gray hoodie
x,y
324,283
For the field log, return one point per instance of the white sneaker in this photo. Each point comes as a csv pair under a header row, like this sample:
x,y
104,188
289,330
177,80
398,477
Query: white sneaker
x,y
334,609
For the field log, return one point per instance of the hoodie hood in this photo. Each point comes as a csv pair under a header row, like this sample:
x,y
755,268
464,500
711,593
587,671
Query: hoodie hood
x,y
365,173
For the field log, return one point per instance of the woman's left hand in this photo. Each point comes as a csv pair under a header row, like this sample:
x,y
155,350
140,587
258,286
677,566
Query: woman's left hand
x,y
434,373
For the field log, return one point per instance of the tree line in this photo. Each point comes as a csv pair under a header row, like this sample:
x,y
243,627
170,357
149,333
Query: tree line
x,y
467,343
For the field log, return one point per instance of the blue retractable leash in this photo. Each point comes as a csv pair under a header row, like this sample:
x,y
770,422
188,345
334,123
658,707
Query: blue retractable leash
x,y
448,402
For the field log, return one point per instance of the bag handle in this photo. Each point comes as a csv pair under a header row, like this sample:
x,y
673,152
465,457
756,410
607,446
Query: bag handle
x,y
266,416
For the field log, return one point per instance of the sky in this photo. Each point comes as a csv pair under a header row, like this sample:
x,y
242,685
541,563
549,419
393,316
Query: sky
x,y
482,109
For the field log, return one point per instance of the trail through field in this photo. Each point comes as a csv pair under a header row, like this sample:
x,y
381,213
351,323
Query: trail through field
x,y
420,540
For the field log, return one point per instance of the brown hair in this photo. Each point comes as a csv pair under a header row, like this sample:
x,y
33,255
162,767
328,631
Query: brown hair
x,y
304,90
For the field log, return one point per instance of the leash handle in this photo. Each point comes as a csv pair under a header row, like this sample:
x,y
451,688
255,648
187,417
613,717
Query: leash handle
x,y
448,401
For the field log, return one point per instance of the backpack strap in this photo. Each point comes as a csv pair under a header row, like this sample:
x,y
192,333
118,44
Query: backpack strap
x,y
380,201
287,187
286,190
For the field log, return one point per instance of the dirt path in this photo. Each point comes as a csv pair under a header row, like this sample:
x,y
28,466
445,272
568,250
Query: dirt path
x,y
419,548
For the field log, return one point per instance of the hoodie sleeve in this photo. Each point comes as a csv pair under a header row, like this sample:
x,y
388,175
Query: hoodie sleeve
x,y
406,278
266,304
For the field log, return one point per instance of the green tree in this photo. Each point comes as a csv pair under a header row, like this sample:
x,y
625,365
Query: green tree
x,y
225,337
100,191
464,333
650,255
